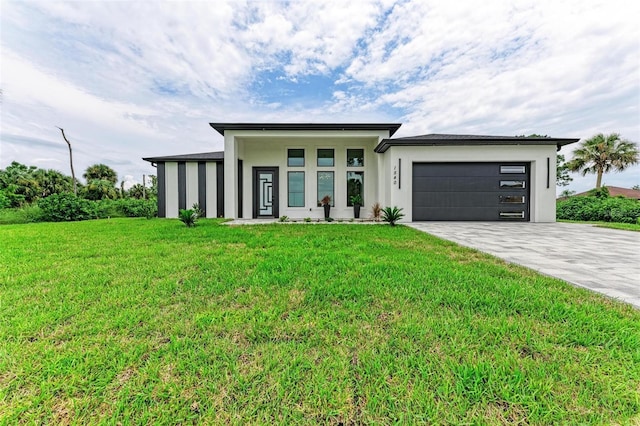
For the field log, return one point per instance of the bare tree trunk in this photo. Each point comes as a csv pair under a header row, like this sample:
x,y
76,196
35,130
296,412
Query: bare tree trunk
x,y
73,174
599,179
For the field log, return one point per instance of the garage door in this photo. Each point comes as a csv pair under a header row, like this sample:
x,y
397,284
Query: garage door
x,y
471,191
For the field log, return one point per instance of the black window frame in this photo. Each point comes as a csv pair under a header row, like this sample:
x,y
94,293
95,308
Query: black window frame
x,y
360,172
351,157
289,192
333,189
289,157
333,157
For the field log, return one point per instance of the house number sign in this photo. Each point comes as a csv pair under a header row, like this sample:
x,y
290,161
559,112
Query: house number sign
x,y
397,174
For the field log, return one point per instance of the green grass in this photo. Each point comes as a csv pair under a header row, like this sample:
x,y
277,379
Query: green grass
x,y
612,225
25,214
139,321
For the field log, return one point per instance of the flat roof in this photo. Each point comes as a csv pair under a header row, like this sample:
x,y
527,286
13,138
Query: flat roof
x,y
435,139
203,156
222,127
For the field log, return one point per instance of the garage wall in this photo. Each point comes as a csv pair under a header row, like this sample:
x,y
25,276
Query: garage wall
x,y
542,193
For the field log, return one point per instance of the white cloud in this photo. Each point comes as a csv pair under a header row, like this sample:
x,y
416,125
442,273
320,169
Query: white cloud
x,y
132,79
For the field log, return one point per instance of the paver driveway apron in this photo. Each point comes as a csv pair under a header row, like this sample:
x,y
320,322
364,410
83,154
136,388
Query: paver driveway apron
x,y
601,259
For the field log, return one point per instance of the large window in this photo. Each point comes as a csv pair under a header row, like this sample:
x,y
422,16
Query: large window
x,y
355,157
295,157
325,158
325,187
355,186
296,189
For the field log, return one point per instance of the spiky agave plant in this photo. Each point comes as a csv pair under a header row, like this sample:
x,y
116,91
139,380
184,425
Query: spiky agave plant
x,y
188,217
392,215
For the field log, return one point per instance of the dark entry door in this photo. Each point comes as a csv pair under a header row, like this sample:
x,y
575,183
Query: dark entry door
x,y
265,192
471,191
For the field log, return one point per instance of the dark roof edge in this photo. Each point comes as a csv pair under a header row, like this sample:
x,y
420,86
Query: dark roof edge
x,y
222,127
216,156
385,144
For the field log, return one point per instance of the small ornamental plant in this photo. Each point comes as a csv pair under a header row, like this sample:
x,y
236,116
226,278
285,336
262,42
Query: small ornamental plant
x,y
188,217
356,200
376,212
392,215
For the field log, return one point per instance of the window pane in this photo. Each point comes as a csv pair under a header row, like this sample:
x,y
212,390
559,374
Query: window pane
x,y
512,215
325,186
296,189
512,199
512,169
355,157
325,158
512,184
355,186
295,158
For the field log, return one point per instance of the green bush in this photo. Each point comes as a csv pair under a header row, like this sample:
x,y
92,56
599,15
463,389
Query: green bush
x,y
26,214
5,201
66,207
132,207
188,217
616,209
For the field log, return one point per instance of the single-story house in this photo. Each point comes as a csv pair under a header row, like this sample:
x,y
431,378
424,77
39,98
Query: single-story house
x,y
268,170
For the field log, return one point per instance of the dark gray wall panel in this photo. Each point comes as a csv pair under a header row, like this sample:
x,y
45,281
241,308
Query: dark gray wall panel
x,y
162,191
220,189
182,185
240,194
202,186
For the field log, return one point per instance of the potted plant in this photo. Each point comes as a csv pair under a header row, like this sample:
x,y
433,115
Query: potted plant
x,y
356,200
326,204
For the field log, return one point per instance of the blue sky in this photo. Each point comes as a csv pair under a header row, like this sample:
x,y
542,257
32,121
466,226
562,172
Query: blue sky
x,y
133,79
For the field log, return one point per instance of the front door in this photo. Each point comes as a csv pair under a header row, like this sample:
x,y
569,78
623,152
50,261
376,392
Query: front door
x,y
265,192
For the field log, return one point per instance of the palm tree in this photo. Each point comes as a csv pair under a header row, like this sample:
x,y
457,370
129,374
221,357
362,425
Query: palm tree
x,y
602,154
100,172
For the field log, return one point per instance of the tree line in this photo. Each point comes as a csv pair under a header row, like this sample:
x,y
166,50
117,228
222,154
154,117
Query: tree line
x,y
22,185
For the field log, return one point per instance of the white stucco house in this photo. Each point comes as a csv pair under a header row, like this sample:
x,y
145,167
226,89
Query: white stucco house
x,y
268,170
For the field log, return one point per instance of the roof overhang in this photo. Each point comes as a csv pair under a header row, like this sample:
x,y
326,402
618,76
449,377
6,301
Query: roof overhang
x,y
390,127
216,156
465,140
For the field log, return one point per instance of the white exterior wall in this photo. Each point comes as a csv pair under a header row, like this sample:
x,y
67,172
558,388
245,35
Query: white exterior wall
x,y
212,194
192,183
542,199
230,176
171,188
269,149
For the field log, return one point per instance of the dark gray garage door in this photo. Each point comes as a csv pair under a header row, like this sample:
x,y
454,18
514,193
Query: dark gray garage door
x,y
471,191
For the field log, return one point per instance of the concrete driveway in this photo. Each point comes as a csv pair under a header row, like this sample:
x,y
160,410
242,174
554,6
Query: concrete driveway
x,y
600,259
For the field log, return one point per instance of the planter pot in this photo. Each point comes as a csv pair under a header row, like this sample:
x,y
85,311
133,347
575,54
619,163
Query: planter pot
x,y
356,211
327,209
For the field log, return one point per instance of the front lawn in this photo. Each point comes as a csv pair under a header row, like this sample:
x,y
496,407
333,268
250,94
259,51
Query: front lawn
x,y
149,322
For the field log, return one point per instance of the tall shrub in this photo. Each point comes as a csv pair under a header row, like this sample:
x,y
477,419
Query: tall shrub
x,y
66,207
610,209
